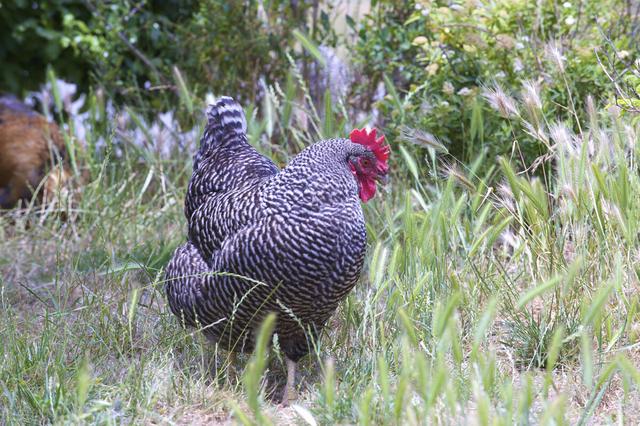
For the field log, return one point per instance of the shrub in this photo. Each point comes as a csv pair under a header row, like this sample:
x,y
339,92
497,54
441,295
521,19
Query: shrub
x,y
132,47
33,36
442,54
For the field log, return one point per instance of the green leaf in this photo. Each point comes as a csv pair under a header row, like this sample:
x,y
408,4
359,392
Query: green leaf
x,y
310,47
477,123
185,96
391,89
327,125
595,306
537,291
350,22
554,348
411,162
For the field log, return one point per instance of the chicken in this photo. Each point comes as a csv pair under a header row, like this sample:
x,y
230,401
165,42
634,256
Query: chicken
x,y
262,240
31,150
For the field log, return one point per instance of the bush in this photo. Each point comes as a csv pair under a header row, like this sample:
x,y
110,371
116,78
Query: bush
x,y
442,54
132,47
33,36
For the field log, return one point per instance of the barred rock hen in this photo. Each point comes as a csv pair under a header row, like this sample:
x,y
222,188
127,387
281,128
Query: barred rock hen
x,y
263,240
31,150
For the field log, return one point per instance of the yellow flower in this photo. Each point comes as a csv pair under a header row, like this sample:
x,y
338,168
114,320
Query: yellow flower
x,y
432,69
469,48
505,41
623,54
474,39
584,52
447,88
420,40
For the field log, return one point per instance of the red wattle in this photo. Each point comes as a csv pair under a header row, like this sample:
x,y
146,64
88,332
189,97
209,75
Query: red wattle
x,y
367,189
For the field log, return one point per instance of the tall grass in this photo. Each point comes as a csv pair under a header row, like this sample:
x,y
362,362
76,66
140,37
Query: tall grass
x,y
504,298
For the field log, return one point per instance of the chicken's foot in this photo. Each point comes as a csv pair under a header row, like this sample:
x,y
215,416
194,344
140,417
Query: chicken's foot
x,y
289,389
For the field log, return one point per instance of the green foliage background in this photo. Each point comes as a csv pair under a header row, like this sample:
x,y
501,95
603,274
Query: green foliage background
x,y
440,55
130,47
33,37
433,57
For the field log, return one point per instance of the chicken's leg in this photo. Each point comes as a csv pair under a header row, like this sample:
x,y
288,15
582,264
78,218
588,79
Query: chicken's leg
x,y
289,388
232,371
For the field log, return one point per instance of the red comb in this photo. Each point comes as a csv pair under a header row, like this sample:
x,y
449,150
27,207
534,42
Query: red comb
x,y
369,140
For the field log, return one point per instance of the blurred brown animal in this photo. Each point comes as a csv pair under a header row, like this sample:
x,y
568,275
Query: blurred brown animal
x,y
32,154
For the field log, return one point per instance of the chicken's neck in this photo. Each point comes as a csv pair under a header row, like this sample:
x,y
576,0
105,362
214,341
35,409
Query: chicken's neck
x,y
313,180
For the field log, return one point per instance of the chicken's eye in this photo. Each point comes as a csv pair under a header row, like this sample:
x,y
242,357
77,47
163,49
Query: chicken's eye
x,y
366,162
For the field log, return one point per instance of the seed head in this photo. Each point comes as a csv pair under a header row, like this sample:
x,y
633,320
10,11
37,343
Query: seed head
x,y
554,54
501,102
531,95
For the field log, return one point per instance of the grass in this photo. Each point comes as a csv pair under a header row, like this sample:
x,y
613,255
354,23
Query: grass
x,y
495,299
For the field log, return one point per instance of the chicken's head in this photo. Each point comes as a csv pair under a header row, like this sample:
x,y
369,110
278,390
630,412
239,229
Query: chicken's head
x,y
372,165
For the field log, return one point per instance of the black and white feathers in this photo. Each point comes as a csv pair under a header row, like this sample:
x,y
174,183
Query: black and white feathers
x,y
263,240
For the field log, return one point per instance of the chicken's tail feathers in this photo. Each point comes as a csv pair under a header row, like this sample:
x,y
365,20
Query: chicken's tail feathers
x,y
225,122
226,116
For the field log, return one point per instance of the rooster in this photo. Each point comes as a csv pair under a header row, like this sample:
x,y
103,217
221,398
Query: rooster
x,y
263,240
31,148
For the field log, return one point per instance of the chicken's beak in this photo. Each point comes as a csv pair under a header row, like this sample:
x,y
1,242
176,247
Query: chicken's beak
x,y
383,178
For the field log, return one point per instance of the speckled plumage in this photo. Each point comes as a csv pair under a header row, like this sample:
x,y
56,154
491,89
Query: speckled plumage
x,y
261,240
